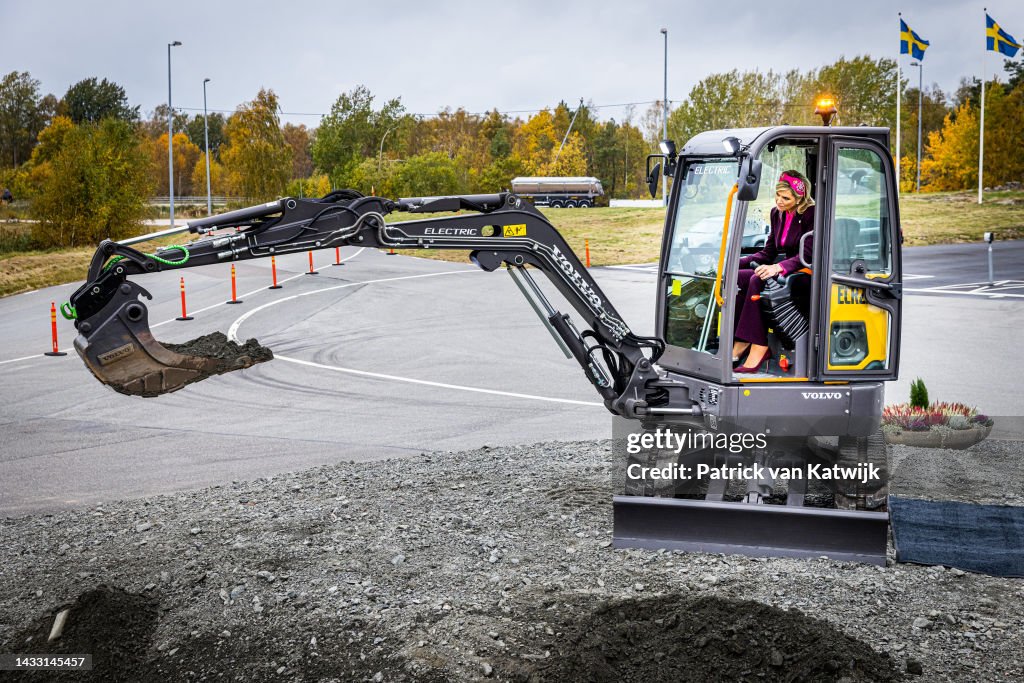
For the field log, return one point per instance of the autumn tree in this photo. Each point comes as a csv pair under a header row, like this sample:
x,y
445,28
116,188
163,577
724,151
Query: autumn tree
x,y
933,113
317,185
1004,132
256,156
427,175
569,161
300,142
185,156
195,130
952,159
23,114
94,183
218,177
497,176
156,124
534,141
353,131
92,100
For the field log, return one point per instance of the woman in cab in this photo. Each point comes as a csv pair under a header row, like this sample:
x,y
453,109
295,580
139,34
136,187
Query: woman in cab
x,y
791,218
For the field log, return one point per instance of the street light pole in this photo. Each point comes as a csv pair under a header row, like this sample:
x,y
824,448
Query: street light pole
x,y
206,141
170,130
380,153
664,120
920,98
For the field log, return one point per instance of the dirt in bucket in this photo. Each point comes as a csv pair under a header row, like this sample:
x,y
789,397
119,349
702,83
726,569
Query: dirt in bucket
x,y
219,355
230,354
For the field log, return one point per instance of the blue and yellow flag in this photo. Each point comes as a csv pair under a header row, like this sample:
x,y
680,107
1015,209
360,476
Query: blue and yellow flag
x,y
998,40
911,43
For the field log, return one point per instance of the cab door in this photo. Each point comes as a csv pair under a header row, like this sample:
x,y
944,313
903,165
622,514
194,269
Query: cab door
x,y
859,329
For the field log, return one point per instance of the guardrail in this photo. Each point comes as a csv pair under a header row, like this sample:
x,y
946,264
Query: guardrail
x,y
194,200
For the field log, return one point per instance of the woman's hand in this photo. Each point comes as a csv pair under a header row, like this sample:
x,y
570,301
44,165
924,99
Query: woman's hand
x,y
768,271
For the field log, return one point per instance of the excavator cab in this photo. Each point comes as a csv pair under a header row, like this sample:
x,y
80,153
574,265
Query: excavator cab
x,y
833,330
844,306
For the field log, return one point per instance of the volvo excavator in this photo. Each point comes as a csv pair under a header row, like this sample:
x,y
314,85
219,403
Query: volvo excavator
x,y
834,340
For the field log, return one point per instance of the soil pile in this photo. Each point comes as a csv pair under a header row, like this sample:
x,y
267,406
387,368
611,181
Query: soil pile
x,y
114,626
709,638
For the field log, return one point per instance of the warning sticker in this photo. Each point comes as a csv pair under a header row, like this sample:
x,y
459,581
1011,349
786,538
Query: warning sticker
x,y
677,287
514,230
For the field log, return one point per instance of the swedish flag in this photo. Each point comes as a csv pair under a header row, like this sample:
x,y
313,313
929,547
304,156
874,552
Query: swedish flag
x,y
998,40
911,43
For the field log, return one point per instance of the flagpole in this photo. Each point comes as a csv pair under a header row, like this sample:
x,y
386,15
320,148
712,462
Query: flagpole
x,y
981,138
898,98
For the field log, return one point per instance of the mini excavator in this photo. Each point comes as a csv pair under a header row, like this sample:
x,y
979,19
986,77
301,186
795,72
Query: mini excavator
x,y
834,335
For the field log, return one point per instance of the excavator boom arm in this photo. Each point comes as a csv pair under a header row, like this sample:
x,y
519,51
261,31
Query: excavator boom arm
x,y
115,341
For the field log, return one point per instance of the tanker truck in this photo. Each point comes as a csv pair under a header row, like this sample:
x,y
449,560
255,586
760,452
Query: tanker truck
x,y
558,192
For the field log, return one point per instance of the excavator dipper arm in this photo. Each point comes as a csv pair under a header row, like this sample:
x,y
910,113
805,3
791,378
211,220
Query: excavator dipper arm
x,y
116,344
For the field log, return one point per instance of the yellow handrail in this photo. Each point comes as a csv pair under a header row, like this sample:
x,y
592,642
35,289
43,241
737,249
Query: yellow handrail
x,y
725,238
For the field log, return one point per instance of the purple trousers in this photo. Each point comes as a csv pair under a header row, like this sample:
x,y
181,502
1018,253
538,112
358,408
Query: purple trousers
x,y
749,324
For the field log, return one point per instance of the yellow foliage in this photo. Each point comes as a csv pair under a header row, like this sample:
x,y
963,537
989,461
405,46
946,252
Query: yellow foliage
x,y
218,179
318,185
571,162
952,159
534,140
256,156
1004,133
51,139
185,155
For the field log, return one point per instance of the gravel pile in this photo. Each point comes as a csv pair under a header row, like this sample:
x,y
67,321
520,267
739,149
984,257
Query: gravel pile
x,y
991,472
494,564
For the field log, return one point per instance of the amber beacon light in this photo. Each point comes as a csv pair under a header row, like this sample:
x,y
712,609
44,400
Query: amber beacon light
x,y
825,107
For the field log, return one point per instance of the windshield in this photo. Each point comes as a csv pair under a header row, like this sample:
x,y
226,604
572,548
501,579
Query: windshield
x,y
692,316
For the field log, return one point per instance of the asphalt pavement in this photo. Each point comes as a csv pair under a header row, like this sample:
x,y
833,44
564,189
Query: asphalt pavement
x,y
384,357
962,270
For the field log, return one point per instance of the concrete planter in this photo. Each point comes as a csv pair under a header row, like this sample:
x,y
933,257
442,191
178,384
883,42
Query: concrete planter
x,y
957,439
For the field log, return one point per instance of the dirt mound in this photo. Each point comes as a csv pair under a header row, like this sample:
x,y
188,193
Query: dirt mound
x,y
231,354
114,626
707,638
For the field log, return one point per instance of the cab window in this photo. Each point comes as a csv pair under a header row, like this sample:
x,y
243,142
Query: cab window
x,y
861,231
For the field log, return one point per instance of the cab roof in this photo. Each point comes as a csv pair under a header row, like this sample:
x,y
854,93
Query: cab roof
x,y
709,143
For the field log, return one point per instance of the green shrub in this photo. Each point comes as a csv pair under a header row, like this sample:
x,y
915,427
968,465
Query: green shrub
x,y
918,394
95,186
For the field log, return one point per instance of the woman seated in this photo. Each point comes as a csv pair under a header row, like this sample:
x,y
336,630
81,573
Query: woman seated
x,y
792,217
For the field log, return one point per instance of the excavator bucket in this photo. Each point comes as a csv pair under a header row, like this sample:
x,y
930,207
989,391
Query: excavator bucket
x,y
120,350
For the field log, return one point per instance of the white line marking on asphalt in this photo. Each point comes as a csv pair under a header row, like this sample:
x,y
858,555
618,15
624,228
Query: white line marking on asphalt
x,y
233,336
992,294
17,360
908,276
441,385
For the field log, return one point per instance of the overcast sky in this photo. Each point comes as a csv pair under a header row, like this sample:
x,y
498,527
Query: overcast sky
x,y
515,56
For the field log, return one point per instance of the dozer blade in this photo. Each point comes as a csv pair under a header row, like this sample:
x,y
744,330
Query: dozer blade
x,y
120,350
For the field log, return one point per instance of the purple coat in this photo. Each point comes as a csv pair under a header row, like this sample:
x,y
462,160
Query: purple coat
x,y
785,241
